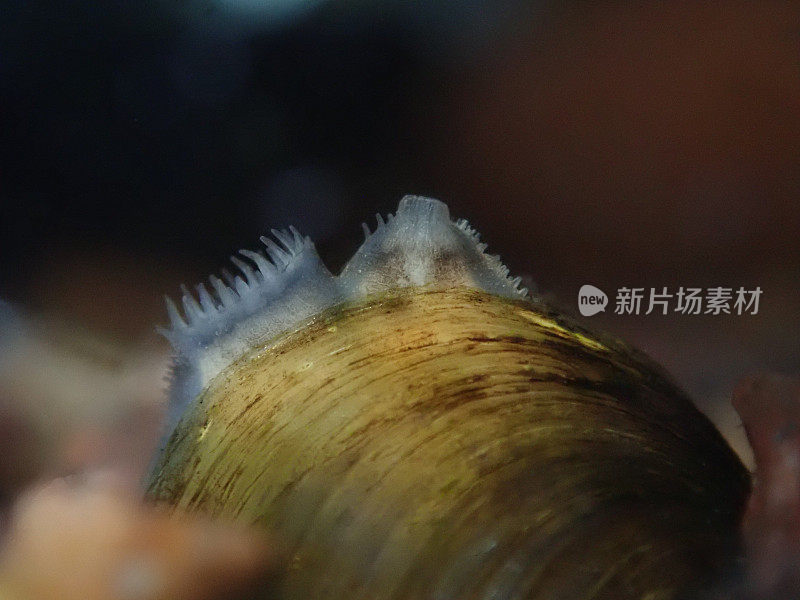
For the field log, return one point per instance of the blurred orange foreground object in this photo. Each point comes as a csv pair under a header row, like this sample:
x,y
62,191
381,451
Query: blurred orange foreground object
x,y
769,406
91,539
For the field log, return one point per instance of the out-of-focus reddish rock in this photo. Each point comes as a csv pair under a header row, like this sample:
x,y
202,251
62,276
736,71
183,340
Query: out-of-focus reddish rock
x,y
91,538
73,399
769,406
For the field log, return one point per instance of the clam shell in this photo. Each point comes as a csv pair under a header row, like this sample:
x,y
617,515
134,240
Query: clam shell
x,y
450,443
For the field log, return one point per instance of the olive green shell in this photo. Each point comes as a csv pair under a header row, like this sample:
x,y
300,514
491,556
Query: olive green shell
x,y
452,444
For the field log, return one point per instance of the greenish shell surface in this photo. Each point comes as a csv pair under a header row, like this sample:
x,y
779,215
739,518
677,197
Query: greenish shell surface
x,y
454,444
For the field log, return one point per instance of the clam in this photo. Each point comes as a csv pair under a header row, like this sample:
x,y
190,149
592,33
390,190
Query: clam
x,y
420,427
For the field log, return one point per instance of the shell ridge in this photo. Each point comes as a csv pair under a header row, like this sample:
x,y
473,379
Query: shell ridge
x,y
418,246
264,300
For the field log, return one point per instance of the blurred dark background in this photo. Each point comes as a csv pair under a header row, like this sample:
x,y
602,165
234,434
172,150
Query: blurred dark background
x,y
620,144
